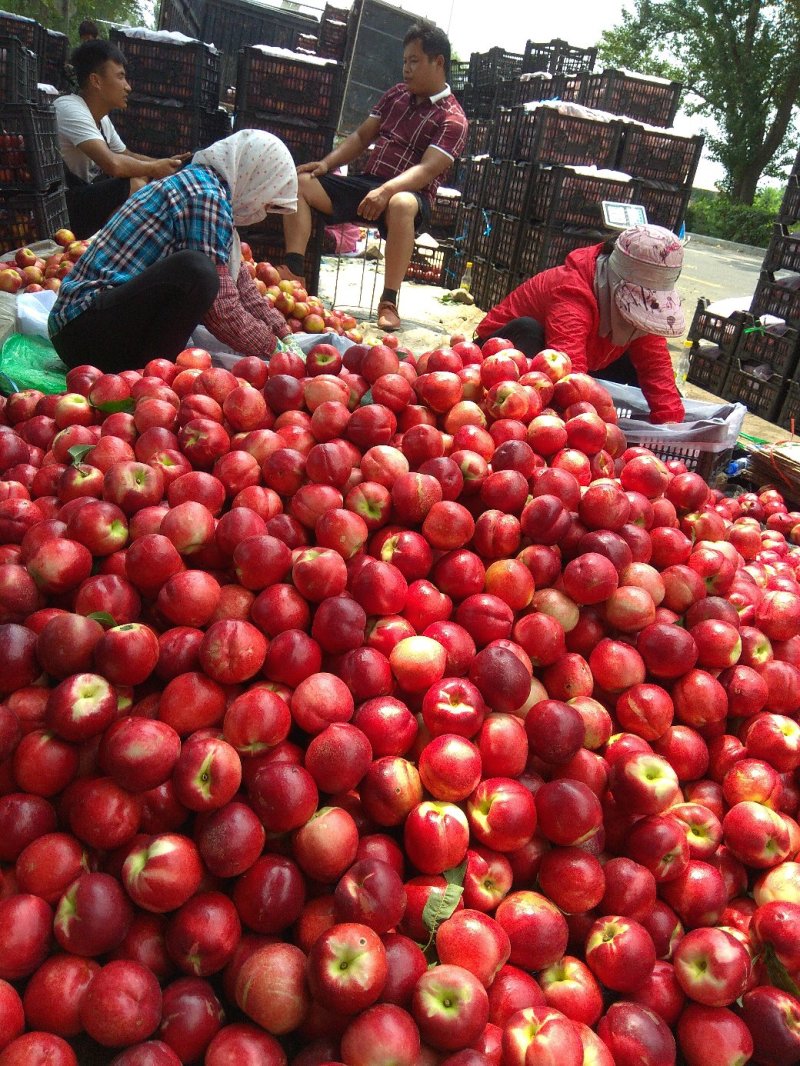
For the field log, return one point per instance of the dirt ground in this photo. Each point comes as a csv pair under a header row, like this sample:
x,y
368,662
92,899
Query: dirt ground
x,y
355,285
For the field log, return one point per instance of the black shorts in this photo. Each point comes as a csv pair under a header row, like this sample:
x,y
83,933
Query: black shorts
x,y
91,204
346,193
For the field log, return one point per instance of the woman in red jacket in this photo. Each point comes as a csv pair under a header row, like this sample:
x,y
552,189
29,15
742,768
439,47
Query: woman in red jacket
x,y
609,303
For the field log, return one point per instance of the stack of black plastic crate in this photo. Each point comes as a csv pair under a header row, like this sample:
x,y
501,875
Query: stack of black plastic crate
x,y
297,98
766,358
53,69
174,106
333,28
32,203
536,171
713,339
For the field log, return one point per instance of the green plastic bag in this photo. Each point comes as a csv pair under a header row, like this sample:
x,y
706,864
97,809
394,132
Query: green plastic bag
x,y
30,363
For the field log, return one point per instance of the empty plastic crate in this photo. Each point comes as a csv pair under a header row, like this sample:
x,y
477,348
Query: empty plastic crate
x,y
762,396
708,368
53,68
542,247
790,207
783,252
770,346
486,69
557,57
778,297
789,416
718,329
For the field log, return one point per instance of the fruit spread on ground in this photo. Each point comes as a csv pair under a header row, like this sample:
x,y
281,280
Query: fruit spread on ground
x,y
384,707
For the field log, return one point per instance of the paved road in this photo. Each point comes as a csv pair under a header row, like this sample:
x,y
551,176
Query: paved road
x,y
717,272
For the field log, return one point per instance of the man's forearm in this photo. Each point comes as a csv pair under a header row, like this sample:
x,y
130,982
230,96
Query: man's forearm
x,y
350,149
411,180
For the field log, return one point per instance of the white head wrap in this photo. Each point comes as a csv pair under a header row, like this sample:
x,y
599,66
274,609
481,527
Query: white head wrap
x,y
261,175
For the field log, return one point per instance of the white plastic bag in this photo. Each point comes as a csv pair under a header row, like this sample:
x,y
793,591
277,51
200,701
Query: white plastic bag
x,y
33,310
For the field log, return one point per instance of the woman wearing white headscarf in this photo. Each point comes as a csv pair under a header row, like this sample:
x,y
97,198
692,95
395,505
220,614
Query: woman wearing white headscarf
x,y
171,258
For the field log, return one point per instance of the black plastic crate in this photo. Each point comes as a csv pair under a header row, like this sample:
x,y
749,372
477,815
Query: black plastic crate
x,y
267,243
474,179
557,57
31,33
665,204
562,196
659,156
163,128
780,298
486,69
633,95
504,134
516,178
483,242
444,212
481,272
427,265
306,141
54,65
766,346
718,329
542,247
762,397
29,217
505,242
546,135
789,416
18,72
708,368
29,155
465,231
165,70
790,207
295,87
477,101
455,263
459,75
783,252
479,137
494,185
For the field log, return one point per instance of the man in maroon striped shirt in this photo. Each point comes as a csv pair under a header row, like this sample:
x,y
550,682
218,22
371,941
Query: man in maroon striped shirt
x,y
417,130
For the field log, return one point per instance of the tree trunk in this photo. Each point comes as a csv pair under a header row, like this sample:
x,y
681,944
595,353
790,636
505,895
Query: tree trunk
x,y
744,182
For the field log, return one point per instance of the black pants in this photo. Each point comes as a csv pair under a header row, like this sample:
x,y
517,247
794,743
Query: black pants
x,y
152,316
527,335
91,204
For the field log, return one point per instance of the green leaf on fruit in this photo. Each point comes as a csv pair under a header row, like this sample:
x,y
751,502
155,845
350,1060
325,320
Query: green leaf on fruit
x,y
113,407
78,453
441,905
778,974
366,399
103,618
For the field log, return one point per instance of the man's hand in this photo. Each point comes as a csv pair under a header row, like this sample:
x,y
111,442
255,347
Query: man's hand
x,y
317,169
162,168
374,203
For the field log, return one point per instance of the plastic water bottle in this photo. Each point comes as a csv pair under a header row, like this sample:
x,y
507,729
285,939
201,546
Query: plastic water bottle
x,y
466,281
682,369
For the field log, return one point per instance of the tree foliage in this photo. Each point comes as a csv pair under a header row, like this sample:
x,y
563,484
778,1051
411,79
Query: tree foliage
x,y
739,61
67,15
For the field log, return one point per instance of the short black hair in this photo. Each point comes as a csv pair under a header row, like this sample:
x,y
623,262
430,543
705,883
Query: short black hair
x,y
433,41
88,28
91,56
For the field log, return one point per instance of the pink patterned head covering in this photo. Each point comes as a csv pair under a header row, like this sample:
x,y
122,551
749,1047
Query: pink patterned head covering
x,y
261,175
644,266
